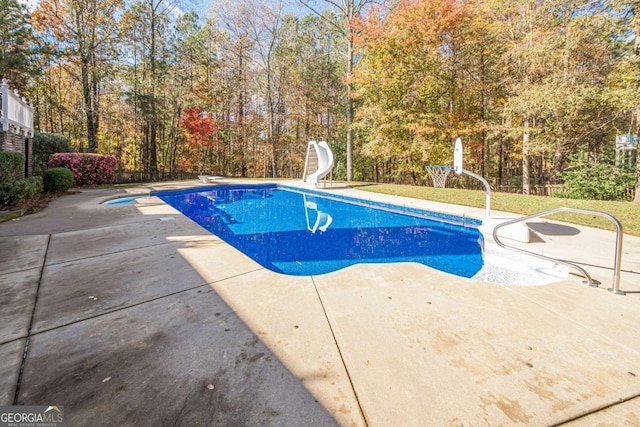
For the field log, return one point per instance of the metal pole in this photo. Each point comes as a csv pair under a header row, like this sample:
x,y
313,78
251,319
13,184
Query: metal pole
x,y
487,188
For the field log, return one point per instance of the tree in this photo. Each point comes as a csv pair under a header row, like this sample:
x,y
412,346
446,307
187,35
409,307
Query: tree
x,y
147,25
58,102
310,85
558,66
15,36
348,13
85,31
415,98
265,31
199,128
634,10
525,62
526,84
480,54
238,48
44,145
187,80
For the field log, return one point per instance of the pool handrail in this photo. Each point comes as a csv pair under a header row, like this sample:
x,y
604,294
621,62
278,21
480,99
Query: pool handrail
x,y
615,289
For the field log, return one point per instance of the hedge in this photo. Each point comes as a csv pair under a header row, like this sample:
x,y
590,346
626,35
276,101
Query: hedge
x,y
57,180
11,166
19,191
87,169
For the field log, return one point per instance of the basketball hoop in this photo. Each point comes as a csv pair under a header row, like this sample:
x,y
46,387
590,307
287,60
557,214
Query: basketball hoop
x,y
439,175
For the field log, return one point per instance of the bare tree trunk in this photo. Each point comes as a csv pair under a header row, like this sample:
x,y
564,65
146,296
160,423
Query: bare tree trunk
x,y
153,163
349,11
636,51
558,157
89,83
90,104
525,158
349,110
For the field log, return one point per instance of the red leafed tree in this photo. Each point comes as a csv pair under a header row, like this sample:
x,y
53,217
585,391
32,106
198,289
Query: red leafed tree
x,y
200,130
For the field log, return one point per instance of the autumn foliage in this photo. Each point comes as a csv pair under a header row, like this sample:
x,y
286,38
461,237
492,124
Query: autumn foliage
x,y
389,83
407,80
199,130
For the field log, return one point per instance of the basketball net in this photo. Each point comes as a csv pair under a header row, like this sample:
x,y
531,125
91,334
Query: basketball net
x,y
439,175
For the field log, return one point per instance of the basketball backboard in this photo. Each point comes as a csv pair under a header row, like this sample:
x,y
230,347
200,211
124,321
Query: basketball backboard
x,y
457,157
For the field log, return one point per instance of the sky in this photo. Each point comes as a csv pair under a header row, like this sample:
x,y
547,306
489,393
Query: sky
x,y
199,6
31,4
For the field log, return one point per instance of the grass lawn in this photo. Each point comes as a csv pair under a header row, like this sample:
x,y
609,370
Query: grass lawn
x,y
628,213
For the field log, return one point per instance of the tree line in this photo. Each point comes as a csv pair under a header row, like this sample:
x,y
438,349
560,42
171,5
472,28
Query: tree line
x,y
240,88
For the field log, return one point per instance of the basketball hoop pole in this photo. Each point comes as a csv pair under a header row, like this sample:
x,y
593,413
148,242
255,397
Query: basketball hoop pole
x,y
487,188
457,167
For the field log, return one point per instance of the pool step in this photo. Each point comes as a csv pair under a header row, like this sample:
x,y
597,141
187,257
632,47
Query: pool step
x,y
518,232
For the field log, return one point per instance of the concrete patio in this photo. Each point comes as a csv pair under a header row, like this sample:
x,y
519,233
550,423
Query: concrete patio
x,y
133,315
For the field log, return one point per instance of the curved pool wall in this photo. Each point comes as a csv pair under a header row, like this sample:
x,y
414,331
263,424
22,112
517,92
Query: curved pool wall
x,y
302,232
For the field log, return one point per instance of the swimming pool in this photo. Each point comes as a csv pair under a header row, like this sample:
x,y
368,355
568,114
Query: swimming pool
x,y
303,233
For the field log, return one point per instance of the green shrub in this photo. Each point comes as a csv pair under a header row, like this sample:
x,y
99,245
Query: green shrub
x,y
20,190
591,180
57,180
44,145
11,165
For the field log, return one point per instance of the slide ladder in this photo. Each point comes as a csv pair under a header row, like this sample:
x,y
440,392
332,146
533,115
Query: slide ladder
x,y
318,163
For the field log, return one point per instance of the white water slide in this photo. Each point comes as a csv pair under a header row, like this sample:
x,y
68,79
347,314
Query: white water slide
x,y
319,162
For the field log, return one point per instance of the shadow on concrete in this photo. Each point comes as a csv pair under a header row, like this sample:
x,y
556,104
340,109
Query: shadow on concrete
x,y
551,229
185,359
126,354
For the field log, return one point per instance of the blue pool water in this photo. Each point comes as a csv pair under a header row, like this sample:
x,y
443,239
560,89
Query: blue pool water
x,y
305,233
121,200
